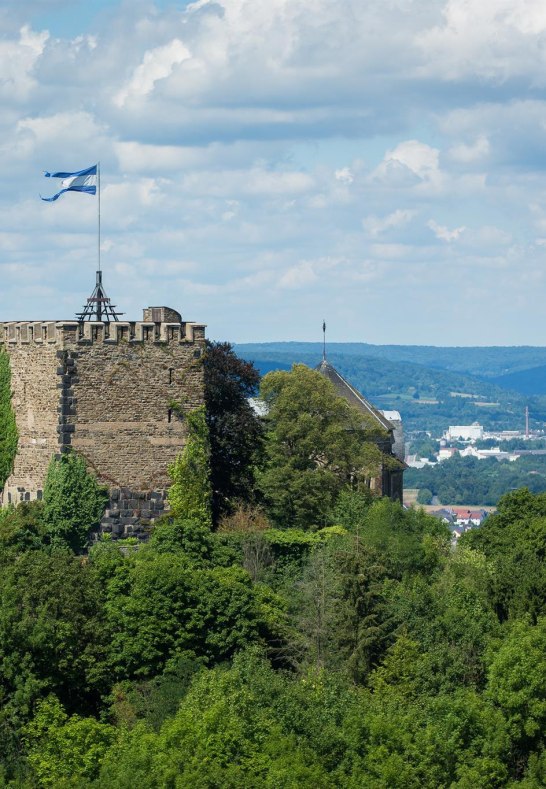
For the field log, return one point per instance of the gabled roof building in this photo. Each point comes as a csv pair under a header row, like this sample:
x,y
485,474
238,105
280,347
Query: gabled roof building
x,y
389,437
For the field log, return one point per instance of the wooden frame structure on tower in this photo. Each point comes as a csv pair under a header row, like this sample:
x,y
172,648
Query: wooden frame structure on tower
x,y
99,307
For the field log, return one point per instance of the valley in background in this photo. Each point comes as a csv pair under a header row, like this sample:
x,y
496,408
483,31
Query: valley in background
x,y
433,388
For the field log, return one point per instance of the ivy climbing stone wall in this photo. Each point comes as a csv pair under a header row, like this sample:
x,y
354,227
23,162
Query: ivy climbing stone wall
x,y
8,426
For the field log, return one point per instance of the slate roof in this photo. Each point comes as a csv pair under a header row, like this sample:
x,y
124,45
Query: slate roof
x,y
344,389
443,514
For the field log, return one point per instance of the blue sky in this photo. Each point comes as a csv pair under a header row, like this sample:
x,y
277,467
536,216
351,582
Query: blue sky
x,y
268,163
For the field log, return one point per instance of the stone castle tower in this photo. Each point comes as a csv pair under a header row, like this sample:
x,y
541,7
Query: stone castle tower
x,y
112,392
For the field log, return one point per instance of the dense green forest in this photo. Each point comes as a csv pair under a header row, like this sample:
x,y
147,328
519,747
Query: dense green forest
x,y
469,480
427,397
528,381
364,654
282,627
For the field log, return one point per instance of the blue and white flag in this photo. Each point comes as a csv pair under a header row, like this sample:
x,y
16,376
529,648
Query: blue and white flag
x,y
82,181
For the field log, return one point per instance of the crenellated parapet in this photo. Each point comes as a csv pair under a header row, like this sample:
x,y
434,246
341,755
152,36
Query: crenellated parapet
x,y
115,393
64,333
23,332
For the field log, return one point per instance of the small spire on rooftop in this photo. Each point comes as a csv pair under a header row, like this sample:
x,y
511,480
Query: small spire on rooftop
x,y
323,340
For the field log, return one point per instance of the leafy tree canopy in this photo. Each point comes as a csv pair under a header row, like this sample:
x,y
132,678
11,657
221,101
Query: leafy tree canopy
x,y
316,445
514,540
73,501
63,750
517,681
368,652
424,496
53,637
235,431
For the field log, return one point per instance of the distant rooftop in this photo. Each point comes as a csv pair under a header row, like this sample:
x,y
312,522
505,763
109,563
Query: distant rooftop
x,y
344,389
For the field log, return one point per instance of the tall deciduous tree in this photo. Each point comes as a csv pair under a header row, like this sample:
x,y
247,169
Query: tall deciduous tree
x,y
517,684
515,541
73,501
162,607
235,431
316,444
53,638
63,750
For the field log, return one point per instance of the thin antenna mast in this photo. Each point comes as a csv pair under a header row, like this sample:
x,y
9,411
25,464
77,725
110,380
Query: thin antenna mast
x,y
323,340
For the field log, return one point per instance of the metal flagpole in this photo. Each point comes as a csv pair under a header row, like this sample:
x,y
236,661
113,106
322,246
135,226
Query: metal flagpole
x,y
98,187
98,307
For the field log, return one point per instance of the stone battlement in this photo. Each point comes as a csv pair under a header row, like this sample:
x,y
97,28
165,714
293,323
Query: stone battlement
x,y
116,394
64,333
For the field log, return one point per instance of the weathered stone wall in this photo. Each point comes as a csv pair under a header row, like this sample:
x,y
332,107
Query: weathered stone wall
x,y
33,363
114,393
129,400
125,406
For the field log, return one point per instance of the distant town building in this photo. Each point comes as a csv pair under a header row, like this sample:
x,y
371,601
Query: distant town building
x,y
258,406
445,515
446,453
414,461
459,519
484,454
508,435
468,518
472,432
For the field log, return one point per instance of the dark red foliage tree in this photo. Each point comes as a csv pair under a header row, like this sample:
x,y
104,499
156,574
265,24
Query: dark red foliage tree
x,y
236,432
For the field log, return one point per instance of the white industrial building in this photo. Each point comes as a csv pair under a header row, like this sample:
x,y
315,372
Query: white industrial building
x,y
472,432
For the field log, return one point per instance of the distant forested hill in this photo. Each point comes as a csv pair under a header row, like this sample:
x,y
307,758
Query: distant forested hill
x,y
531,381
487,361
428,397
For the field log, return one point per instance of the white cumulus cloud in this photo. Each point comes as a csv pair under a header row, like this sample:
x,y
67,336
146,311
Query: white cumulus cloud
x,y
17,62
472,152
443,233
285,148
157,64
345,175
376,225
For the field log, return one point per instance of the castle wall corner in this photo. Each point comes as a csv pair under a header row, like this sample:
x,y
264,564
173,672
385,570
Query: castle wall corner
x,y
33,349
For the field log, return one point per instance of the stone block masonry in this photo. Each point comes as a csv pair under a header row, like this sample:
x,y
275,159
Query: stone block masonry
x,y
114,393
